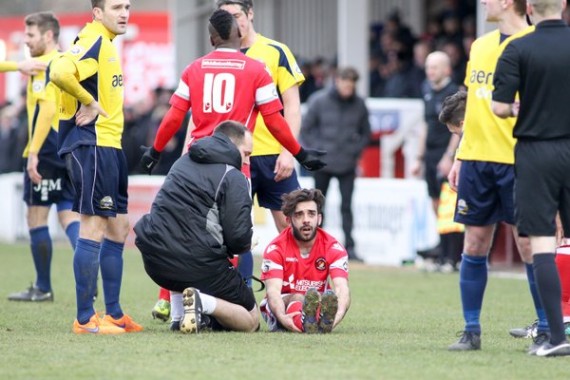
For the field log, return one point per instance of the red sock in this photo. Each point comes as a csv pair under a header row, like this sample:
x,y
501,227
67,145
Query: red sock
x,y
164,294
293,307
563,265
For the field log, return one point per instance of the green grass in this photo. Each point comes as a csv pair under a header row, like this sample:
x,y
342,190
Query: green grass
x,y
399,327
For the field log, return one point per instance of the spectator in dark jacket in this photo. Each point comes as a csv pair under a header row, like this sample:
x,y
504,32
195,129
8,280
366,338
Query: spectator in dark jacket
x,y
200,218
337,121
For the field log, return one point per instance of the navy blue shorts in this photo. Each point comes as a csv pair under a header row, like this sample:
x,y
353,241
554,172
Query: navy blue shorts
x,y
56,187
100,178
485,193
263,184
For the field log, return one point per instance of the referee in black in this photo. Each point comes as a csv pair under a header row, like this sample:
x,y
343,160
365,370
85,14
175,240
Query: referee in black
x,y
537,66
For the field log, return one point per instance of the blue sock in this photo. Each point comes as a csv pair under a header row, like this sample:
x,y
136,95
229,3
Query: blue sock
x,y
542,321
86,268
111,259
472,282
72,232
245,267
40,243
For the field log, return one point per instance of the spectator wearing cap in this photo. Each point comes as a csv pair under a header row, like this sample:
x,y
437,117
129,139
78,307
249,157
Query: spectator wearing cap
x,y
337,121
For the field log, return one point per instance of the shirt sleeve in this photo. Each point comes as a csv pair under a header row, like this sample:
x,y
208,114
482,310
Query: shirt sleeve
x,y
288,71
272,264
507,76
338,258
181,97
266,96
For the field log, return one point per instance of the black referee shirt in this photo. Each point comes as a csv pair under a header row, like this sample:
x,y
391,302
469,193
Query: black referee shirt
x,y
537,65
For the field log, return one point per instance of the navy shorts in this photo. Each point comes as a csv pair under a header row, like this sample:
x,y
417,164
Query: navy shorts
x,y
55,187
485,193
100,178
542,186
263,184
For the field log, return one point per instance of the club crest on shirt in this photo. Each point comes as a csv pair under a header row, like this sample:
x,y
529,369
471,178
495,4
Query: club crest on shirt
x,y
321,264
37,86
76,50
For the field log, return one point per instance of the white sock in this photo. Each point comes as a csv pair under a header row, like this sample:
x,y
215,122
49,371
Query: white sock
x,y
176,306
208,303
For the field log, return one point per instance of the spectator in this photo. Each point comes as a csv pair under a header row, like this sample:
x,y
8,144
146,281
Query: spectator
x,y
316,79
337,121
437,146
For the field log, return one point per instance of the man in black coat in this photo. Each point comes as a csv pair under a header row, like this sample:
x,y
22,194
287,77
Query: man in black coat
x,y
337,120
201,218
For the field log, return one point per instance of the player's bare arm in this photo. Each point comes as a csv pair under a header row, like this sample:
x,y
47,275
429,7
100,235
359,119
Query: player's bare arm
x,y
277,306
343,294
502,110
31,66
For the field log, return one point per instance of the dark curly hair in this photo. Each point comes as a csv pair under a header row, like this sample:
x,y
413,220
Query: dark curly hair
x,y
292,199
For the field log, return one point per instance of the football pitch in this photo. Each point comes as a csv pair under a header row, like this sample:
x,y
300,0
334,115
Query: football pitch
x,y
399,326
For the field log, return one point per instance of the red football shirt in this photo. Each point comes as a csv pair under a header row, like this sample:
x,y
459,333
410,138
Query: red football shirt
x,y
282,259
225,85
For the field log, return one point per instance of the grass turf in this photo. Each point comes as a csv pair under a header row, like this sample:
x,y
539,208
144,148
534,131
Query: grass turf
x,y
399,326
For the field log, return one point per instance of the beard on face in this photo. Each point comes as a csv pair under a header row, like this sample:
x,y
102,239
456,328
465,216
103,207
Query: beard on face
x,y
299,236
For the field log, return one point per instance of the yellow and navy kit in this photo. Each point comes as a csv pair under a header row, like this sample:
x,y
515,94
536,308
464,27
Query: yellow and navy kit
x,y
40,89
486,137
285,72
99,72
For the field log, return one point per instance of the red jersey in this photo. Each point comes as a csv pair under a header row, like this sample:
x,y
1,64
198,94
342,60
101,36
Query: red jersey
x,y
225,85
282,259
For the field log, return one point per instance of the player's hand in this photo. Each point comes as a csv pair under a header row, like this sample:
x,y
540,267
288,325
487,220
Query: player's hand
x,y
453,176
416,169
31,66
87,114
149,158
515,108
32,168
444,165
310,159
288,322
284,166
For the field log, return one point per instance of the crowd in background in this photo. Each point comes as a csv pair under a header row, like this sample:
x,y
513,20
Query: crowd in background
x,y
397,58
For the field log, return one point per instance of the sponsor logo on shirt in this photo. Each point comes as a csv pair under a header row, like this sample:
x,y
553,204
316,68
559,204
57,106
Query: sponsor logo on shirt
x,y
236,64
304,285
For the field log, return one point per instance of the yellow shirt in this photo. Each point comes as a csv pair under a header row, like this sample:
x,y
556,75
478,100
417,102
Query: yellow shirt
x,y
41,89
99,72
285,72
486,137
